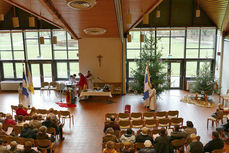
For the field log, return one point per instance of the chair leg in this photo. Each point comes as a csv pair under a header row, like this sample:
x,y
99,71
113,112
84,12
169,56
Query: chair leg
x,y
216,123
72,120
212,123
207,123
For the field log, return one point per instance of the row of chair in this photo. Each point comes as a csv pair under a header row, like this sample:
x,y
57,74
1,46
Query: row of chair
x,y
62,115
140,116
151,123
43,144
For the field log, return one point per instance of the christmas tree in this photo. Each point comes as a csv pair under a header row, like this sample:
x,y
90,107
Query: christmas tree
x,y
150,55
205,83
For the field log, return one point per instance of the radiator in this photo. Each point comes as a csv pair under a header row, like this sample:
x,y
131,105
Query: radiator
x,y
10,85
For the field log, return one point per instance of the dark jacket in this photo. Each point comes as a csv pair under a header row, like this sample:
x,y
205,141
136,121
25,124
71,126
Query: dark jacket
x,y
196,147
29,151
178,135
142,138
28,133
214,144
163,144
41,135
147,150
129,150
51,124
111,124
109,137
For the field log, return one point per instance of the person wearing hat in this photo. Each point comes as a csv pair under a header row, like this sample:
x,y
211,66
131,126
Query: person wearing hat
x,y
112,124
148,147
195,146
109,136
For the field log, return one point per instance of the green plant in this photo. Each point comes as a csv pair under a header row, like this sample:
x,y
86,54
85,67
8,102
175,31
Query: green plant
x,y
157,76
205,83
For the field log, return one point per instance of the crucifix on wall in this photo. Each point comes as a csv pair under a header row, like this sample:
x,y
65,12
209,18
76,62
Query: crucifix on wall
x,y
100,59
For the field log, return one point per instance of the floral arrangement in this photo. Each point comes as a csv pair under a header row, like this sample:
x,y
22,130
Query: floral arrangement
x,y
106,88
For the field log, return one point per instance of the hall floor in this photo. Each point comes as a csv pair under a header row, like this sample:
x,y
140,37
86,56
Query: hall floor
x,y
86,134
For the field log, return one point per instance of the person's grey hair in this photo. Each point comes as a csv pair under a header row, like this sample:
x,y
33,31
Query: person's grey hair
x,y
13,144
147,143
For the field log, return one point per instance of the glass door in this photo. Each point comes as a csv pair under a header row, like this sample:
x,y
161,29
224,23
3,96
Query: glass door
x,y
36,75
175,74
41,72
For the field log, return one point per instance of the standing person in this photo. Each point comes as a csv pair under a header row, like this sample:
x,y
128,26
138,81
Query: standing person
x,y
82,83
89,77
152,98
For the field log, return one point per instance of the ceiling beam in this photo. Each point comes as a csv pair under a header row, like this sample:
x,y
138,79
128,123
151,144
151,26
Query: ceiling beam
x,y
54,12
118,12
33,13
155,4
225,23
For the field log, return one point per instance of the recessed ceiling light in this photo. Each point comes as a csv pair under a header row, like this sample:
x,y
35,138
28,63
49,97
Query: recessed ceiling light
x,y
95,31
81,4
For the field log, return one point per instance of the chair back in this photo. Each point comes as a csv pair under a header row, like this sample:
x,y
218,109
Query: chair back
x,y
44,144
42,111
123,116
177,121
17,139
218,151
136,116
151,123
23,140
163,122
161,115
148,115
139,145
124,124
108,115
65,114
178,142
44,84
137,123
220,115
173,114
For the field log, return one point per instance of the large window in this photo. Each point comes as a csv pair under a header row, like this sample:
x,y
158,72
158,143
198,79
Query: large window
x,y
189,46
47,61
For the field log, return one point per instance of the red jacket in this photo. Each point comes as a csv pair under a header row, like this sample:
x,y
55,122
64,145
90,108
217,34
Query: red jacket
x,y
82,81
22,111
10,122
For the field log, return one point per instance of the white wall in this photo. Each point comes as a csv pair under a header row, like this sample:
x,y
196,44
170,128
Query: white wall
x,y
225,74
111,65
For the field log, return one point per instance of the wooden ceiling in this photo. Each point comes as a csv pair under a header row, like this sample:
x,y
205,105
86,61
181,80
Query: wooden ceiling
x,y
104,14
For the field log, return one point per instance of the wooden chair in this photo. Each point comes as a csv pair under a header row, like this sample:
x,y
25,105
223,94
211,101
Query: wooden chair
x,y
155,131
17,139
17,130
44,87
139,145
136,116
160,115
123,117
45,144
124,124
224,97
137,123
215,120
52,131
164,123
108,115
4,137
14,108
173,114
148,115
178,143
67,115
53,86
151,123
218,151
176,121
23,140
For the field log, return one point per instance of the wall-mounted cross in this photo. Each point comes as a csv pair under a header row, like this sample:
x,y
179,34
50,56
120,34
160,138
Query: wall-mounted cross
x,y
100,59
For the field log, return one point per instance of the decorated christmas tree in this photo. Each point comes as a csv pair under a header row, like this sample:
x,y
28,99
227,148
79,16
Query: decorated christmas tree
x,y
150,55
205,83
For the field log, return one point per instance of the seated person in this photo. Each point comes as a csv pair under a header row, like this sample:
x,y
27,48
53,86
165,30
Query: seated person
x,y
128,137
112,124
9,121
21,111
20,121
177,134
190,129
195,146
49,123
3,148
33,111
110,147
13,147
36,123
2,132
109,136
215,143
52,115
218,111
42,133
148,148
162,143
127,148
28,148
28,132
143,136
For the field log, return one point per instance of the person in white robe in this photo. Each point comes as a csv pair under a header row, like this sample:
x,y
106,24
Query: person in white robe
x,y
89,77
24,100
152,98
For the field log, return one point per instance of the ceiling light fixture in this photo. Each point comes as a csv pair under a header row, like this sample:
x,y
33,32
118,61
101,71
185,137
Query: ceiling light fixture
x,y
198,10
31,21
142,37
146,19
1,17
15,20
158,14
95,31
81,4
54,40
